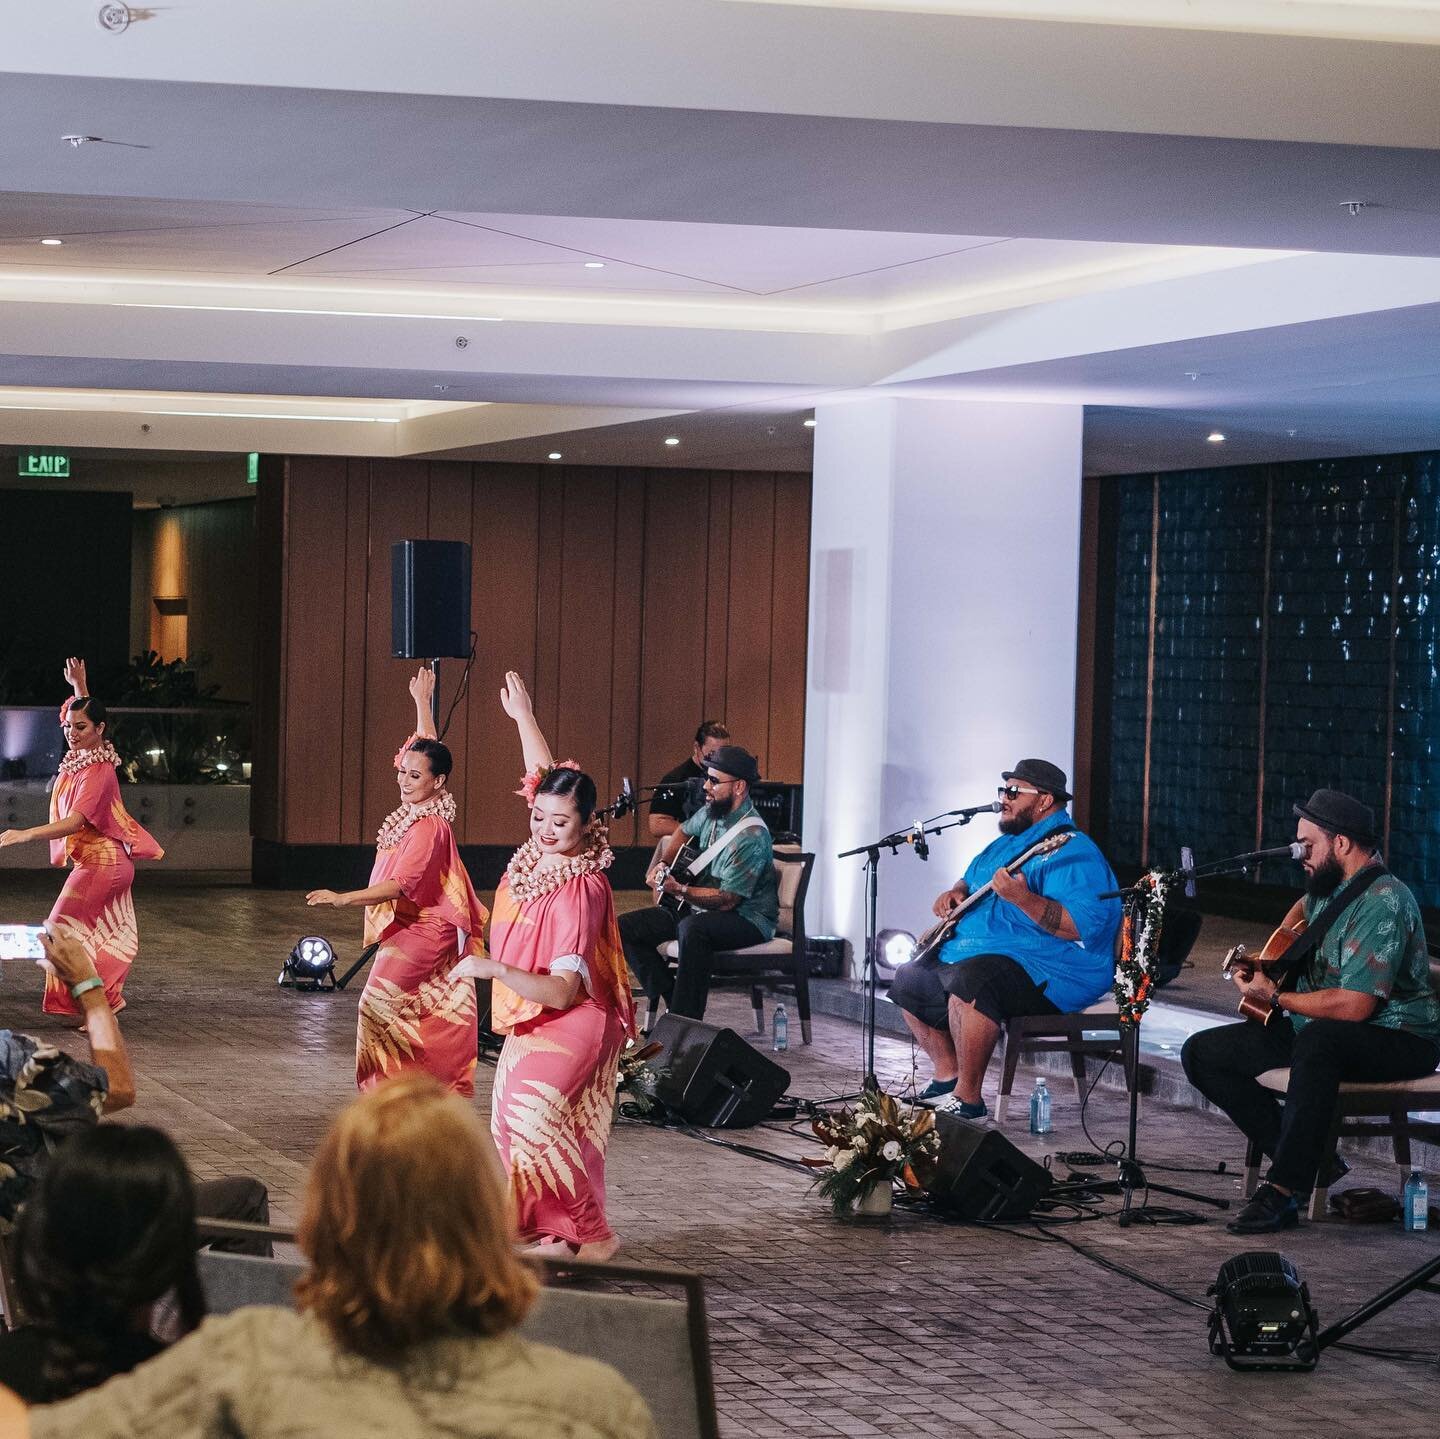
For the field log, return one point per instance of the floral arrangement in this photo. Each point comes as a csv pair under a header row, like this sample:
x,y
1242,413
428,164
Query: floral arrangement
x,y
636,1080
875,1143
1140,944
534,778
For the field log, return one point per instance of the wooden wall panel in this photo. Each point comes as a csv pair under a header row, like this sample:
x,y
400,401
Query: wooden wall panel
x,y
790,609
673,636
356,826
504,557
636,603
747,635
314,651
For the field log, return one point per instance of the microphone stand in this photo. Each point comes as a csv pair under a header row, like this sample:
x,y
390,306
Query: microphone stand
x,y
917,835
1131,1175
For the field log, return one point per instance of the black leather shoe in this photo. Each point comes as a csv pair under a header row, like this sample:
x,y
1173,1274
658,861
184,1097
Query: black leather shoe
x,y
1268,1212
1332,1173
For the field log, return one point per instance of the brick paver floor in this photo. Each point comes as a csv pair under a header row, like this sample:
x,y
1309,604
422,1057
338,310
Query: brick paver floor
x,y
818,1326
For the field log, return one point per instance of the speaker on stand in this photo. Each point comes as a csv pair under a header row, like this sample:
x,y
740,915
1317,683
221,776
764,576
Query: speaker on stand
x,y
430,604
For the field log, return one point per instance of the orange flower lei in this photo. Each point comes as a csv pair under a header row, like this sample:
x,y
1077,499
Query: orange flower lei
x,y
398,822
74,760
527,882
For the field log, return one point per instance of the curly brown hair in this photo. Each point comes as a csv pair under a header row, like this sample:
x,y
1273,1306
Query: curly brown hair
x,y
407,1225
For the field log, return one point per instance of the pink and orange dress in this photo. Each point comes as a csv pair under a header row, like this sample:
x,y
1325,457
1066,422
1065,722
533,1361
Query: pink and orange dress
x,y
96,895
554,1098
412,1014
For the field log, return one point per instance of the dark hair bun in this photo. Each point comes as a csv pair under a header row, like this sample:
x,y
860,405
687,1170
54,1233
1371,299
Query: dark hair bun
x,y
574,785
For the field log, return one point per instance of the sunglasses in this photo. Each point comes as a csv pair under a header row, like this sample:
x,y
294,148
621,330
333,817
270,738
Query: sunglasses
x,y
1014,791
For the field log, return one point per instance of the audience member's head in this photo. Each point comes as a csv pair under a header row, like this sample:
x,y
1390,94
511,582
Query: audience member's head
x,y
407,1225
109,1231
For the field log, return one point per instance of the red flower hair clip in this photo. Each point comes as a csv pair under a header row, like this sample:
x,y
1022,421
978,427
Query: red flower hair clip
x,y
536,777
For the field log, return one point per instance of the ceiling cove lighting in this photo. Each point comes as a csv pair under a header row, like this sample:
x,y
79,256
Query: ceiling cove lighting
x,y
1215,438
216,414
287,310
555,455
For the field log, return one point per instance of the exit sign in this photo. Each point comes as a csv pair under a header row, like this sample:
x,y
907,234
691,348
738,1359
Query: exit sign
x,y
44,465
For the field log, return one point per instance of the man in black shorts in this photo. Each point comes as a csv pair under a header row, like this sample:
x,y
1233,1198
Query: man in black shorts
x,y
1041,942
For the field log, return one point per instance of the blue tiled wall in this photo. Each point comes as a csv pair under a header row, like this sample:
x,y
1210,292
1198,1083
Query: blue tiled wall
x,y
1333,567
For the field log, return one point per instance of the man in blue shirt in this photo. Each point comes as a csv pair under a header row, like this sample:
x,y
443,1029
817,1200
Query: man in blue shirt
x,y
1040,942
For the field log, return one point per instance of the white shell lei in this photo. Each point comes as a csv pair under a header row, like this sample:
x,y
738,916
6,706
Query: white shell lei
x,y
74,760
527,883
399,821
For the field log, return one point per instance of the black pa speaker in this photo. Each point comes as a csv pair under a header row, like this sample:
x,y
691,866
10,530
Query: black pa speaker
x,y
710,1076
430,599
981,1175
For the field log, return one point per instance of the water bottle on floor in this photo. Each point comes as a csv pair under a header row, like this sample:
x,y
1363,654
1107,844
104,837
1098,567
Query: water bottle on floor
x,y
780,1029
1417,1203
1040,1107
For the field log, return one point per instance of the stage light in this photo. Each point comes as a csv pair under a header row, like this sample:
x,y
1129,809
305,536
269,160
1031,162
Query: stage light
x,y
310,964
894,948
1263,1318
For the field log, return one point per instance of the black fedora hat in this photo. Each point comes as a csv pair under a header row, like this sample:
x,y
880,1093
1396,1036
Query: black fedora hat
x,y
1341,814
1042,774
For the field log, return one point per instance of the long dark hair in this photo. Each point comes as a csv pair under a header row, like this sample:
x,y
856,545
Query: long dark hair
x,y
109,1230
572,784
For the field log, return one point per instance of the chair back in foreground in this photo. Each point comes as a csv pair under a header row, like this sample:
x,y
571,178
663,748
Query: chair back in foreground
x,y
661,1345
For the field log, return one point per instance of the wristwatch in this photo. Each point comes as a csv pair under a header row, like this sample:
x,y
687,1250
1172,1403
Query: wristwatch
x,y
1275,1006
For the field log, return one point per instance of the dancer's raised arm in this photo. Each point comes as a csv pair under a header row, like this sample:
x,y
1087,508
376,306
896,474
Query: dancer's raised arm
x,y
515,699
422,691
75,676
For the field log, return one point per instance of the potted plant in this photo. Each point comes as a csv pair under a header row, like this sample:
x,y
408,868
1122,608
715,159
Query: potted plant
x,y
868,1148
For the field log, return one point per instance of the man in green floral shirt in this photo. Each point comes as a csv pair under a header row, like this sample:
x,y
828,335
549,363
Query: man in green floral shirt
x,y
732,904
1363,1010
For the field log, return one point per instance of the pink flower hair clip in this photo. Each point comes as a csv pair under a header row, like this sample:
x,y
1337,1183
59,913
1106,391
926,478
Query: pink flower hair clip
x,y
536,777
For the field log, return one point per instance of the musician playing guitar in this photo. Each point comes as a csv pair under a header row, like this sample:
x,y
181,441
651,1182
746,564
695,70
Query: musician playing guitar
x,y
1350,999
1040,943
731,902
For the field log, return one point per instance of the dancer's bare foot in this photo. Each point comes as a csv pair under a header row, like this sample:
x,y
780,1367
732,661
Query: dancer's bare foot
x,y
549,1249
600,1250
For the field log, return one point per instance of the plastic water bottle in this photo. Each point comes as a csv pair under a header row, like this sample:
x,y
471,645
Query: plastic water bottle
x,y
1040,1107
780,1029
1417,1202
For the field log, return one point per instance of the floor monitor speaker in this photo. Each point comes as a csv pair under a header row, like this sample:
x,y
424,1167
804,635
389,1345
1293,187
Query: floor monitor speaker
x,y
981,1175
430,599
710,1076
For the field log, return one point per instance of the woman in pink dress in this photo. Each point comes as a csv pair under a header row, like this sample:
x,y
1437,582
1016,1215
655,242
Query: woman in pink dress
x,y
416,1012
91,830
561,996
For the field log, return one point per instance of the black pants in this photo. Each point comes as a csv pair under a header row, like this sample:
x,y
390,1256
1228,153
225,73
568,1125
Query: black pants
x,y
235,1197
1223,1065
702,936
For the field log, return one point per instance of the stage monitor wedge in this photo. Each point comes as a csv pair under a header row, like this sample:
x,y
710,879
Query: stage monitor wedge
x,y
430,599
711,1077
981,1175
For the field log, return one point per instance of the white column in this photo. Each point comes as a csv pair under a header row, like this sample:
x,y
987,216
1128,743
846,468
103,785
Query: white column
x,y
945,547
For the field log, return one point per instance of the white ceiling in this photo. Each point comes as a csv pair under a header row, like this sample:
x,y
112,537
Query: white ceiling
x,y
778,205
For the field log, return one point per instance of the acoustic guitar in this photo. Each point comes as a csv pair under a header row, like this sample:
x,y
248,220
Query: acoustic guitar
x,y
682,868
939,933
1270,962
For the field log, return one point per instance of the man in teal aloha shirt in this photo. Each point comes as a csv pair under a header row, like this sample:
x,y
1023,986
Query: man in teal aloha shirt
x,y
733,903
1363,1010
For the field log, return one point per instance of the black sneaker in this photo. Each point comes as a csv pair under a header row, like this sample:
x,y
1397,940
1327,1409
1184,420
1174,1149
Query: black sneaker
x,y
1268,1212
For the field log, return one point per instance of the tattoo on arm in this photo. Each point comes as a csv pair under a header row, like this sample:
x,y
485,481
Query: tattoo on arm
x,y
1052,916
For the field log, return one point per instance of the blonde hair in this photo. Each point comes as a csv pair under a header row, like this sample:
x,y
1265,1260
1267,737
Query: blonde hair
x,y
407,1224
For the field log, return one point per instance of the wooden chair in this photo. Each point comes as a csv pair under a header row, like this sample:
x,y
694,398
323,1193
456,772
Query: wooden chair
x,y
1065,1033
779,963
1393,1111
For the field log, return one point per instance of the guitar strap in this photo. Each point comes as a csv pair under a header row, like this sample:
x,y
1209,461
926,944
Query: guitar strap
x,y
706,858
1298,955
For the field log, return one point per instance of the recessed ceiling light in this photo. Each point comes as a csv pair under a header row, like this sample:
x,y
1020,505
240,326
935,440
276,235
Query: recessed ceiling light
x,y
554,455
1215,437
52,242
672,439
809,424
594,264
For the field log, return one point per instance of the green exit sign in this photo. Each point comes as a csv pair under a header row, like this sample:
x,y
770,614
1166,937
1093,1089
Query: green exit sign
x,y
44,465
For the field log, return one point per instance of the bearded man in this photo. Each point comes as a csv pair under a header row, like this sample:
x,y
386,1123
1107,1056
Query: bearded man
x,y
1363,1009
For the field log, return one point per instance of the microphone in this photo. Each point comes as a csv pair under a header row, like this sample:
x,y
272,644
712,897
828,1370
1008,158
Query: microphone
x,y
917,838
992,808
1294,850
